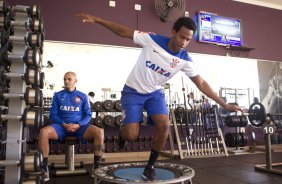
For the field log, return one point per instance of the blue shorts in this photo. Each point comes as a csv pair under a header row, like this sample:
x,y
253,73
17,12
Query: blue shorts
x,y
133,104
62,133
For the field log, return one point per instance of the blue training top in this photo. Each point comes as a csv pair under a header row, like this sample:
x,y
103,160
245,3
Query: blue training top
x,y
70,107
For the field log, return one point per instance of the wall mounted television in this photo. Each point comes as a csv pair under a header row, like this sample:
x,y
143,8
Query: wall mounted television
x,y
215,29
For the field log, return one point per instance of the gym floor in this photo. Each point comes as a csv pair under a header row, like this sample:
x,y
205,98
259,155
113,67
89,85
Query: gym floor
x,y
234,169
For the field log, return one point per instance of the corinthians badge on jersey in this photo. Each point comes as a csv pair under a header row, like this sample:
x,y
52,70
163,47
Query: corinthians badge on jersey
x,y
77,99
174,63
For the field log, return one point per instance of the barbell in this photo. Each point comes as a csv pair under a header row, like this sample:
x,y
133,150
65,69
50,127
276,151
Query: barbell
x,y
236,121
257,114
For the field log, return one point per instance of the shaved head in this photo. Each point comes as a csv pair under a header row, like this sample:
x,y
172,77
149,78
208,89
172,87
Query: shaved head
x,y
70,74
70,81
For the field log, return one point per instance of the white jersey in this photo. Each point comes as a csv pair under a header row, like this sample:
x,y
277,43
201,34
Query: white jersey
x,y
156,63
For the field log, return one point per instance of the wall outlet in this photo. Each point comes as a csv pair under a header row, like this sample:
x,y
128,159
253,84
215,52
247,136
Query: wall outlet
x,y
186,14
137,7
112,3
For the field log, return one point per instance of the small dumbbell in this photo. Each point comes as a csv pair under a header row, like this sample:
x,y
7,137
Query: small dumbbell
x,y
31,39
31,76
31,57
31,117
32,96
33,10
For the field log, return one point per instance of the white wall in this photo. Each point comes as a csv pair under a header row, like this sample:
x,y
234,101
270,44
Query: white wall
x,y
96,66
221,71
102,66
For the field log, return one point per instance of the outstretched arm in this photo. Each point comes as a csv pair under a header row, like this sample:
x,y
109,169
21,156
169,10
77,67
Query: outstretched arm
x,y
204,87
118,29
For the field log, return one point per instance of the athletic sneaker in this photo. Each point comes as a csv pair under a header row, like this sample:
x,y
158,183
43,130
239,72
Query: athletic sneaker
x,y
92,172
45,171
46,175
149,174
121,143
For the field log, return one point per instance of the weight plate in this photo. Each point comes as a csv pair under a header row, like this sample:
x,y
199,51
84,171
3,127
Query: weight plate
x,y
257,114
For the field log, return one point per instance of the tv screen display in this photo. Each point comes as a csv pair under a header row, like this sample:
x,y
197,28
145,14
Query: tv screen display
x,y
219,30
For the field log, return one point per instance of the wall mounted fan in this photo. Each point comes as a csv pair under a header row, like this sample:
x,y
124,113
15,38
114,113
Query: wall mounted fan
x,y
169,9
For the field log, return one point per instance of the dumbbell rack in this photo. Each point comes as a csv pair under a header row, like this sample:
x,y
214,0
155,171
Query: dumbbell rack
x,y
239,138
106,108
238,149
135,150
215,146
104,118
22,42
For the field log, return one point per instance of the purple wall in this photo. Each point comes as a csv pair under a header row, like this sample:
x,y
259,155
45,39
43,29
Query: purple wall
x,y
262,26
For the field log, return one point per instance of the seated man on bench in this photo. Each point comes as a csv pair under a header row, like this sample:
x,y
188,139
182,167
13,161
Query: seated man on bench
x,y
70,115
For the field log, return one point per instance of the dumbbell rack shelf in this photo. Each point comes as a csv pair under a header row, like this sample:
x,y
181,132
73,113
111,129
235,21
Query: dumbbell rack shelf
x,y
107,111
236,142
214,147
21,54
237,150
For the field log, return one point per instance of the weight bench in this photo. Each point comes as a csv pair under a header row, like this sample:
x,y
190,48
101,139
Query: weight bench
x,y
69,167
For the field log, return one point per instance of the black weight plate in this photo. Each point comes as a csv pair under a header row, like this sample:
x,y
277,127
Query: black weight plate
x,y
238,140
233,121
97,106
118,120
230,140
274,138
108,105
257,114
98,121
117,106
108,121
244,139
244,121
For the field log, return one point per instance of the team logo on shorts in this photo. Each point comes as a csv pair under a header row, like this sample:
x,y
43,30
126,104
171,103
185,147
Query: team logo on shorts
x,y
174,63
77,99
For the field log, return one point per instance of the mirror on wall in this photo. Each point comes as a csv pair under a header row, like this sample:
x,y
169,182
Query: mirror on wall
x,y
270,79
104,66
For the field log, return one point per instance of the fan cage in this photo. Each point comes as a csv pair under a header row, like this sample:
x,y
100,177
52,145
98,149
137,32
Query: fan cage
x,y
169,9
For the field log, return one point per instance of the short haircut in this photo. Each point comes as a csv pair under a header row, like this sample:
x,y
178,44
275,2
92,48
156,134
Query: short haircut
x,y
186,22
72,73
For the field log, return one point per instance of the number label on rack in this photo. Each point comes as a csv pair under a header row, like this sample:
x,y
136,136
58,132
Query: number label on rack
x,y
268,129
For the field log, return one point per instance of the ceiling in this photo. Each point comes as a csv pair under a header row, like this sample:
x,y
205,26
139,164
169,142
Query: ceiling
x,y
276,4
